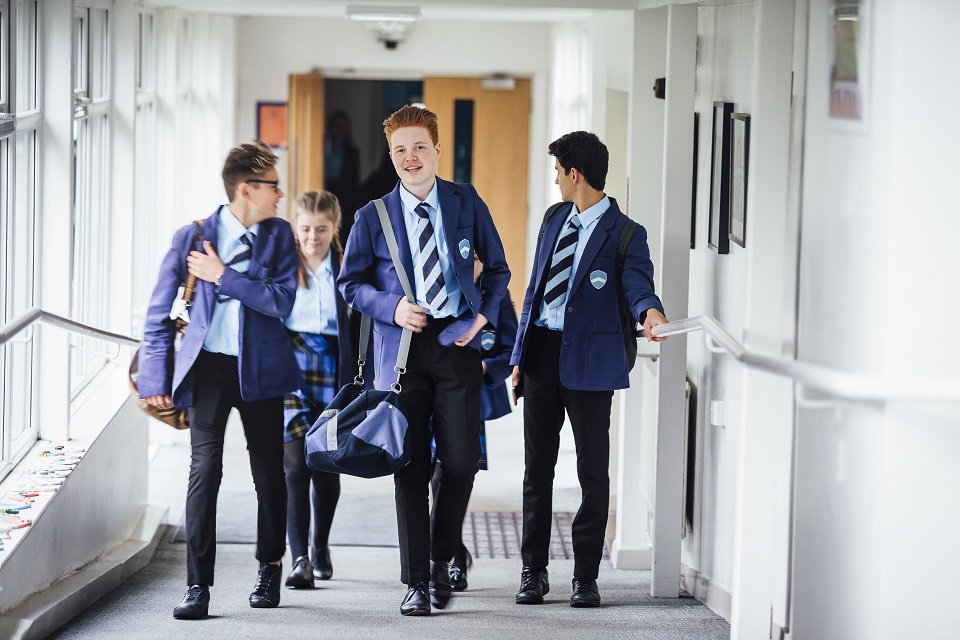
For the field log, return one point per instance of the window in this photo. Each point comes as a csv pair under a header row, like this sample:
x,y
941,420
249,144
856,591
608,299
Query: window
x,y
90,220
19,224
147,222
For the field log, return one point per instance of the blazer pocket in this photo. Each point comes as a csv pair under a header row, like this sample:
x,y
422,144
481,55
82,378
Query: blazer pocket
x,y
607,356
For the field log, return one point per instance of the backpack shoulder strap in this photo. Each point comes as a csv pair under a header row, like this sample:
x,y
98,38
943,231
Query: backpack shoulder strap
x,y
626,235
552,209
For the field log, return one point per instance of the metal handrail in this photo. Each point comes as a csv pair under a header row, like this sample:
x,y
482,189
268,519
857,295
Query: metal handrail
x,y
36,314
830,381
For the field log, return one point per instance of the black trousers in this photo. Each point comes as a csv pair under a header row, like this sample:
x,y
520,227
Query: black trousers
x,y
443,382
216,391
543,408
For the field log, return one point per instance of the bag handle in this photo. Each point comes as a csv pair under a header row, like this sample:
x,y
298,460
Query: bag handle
x,y
401,367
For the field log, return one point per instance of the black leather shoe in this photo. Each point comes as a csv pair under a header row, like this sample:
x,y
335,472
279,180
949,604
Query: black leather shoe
x,y
195,603
416,602
585,593
266,593
458,569
440,590
533,585
301,576
322,567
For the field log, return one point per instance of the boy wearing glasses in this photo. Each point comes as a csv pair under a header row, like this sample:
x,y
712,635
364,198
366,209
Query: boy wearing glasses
x,y
234,354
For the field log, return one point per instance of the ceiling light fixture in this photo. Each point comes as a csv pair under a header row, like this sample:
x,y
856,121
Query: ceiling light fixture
x,y
370,13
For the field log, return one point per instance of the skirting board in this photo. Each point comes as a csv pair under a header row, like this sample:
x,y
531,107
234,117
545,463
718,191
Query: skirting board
x,y
706,591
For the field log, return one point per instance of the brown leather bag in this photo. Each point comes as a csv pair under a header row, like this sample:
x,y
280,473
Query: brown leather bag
x,y
176,418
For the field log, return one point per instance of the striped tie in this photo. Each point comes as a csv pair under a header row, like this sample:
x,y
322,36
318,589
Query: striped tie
x,y
240,262
561,268
428,261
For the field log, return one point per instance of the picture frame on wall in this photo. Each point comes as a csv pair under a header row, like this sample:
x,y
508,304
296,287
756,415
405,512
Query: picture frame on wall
x,y
739,169
693,200
718,227
272,123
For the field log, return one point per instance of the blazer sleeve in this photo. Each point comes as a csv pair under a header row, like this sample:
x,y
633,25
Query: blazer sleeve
x,y
156,348
637,280
357,276
274,296
498,364
496,273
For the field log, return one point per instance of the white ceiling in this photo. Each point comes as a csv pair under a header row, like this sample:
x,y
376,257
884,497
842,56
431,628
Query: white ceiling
x,y
484,10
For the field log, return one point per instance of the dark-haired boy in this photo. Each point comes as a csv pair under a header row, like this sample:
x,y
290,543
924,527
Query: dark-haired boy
x,y
570,355
235,354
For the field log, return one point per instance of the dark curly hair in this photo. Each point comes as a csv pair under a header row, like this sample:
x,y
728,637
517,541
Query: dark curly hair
x,y
583,151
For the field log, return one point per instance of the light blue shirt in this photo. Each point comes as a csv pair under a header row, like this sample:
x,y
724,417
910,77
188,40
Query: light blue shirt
x,y
553,318
315,309
451,284
224,334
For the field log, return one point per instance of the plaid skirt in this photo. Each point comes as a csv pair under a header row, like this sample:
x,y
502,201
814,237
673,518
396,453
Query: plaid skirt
x,y
482,462
317,357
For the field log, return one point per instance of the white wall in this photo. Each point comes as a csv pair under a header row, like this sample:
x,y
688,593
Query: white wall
x,y
877,486
725,72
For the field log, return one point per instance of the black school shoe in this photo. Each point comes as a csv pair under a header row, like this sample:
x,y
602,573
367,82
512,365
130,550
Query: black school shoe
x,y
322,566
417,600
462,561
195,603
534,584
301,576
585,593
266,593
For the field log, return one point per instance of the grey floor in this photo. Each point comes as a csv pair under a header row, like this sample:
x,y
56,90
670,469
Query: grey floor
x,y
363,598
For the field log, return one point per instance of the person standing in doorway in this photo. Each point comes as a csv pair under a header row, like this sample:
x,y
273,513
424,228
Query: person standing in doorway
x,y
234,354
341,166
438,226
319,328
570,356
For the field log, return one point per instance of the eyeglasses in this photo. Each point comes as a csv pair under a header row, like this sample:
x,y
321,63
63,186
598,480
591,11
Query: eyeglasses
x,y
273,183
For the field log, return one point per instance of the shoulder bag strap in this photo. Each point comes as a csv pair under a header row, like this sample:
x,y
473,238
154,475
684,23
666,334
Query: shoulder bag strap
x,y
625,237
407,335
190,284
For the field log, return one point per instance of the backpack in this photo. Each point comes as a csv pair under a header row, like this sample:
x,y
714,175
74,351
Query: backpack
x,y
628,325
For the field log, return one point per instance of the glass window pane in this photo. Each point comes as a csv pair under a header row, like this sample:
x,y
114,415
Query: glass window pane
x,y
26,96
99,54
80,44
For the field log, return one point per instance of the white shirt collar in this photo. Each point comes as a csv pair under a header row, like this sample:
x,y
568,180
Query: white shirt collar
x,y
411,201
233,226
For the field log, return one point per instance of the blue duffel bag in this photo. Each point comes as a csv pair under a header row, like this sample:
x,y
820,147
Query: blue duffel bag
x,y
360,433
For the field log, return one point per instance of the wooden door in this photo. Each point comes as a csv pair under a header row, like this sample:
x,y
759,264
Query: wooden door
x,y
501,120
306,121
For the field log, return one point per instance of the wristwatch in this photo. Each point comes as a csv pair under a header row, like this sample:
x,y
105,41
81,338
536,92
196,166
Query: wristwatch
x,y
216,280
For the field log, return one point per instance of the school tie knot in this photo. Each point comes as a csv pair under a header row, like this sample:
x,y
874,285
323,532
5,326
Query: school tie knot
x,y
422,210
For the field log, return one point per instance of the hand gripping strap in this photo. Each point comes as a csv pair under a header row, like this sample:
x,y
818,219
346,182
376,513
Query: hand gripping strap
x,y
391,239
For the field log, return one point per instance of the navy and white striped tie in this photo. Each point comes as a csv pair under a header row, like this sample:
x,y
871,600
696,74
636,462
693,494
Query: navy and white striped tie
x,y
561,268
428,261
240,262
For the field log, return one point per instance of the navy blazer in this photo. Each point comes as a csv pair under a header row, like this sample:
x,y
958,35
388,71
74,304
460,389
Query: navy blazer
x,y
494,399
592,354
347,361
266,293
369,282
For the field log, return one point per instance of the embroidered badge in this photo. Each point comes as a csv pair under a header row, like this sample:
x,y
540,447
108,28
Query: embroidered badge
x,y
464,248
487,339
598,279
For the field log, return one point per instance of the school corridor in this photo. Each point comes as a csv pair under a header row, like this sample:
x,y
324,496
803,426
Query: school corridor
x,y
783,467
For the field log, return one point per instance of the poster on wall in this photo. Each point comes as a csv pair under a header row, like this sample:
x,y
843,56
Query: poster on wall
x,y
272,123
847,65
739,168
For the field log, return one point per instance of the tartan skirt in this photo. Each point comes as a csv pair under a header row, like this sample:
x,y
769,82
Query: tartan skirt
x,y
317,357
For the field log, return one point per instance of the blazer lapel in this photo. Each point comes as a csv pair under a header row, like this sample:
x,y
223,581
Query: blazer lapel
x,y
450,212
550,235
597,238
395,211
204,290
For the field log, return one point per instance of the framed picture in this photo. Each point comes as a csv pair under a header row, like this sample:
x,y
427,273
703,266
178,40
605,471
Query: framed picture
x,y
739,167
693,201
272,123
719,225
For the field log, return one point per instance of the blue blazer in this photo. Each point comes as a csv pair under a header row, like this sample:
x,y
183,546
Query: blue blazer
x,y
369,282
347,362
494,399
266,293
592,355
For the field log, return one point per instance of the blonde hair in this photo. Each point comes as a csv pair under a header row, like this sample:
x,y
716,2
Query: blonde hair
x,y
322,202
